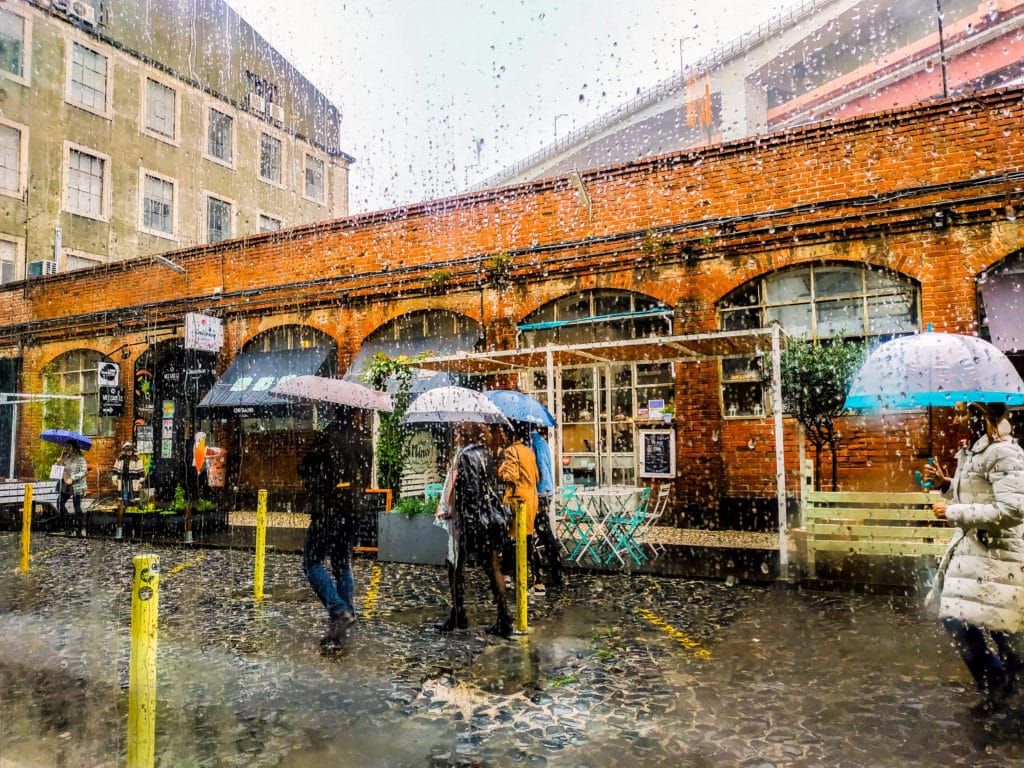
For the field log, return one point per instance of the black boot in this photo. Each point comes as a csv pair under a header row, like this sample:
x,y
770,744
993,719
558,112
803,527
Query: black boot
x,y
503,627
456,620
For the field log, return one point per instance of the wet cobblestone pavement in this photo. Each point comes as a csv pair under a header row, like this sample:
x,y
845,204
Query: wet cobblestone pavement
x,y
617,670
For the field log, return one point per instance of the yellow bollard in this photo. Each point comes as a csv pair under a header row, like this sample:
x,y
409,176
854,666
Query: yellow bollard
x,y
142,663
522,588
26,528
261,545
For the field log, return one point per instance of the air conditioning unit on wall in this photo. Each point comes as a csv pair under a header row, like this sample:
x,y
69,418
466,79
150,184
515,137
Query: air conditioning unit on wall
x,y
83,12
40,268
256,103
277,113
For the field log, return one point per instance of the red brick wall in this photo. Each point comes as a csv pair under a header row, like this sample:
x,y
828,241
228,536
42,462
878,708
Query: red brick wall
x,y
848,191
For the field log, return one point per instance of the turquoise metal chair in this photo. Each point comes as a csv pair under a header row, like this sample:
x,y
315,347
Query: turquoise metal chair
x,y
622,530
432,491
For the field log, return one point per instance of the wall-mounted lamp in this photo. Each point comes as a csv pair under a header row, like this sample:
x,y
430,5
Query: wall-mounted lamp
x,y
940,219
164,261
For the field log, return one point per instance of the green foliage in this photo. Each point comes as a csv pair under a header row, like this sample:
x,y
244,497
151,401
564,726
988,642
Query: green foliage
x,y
416,505
499,269
52,414
653,245
438,279
389,451
178,505
815,379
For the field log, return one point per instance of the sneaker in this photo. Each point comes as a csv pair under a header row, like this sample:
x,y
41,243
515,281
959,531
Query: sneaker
x,y
82,533
508,582
539,589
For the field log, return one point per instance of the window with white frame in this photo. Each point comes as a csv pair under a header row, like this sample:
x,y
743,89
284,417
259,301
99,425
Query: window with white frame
x,y
161,103
818,302
86,183
220,141
269,223
76,373
218,220
8,261
157,204
270,158
74,260
314,178
10,158
13,34
88,78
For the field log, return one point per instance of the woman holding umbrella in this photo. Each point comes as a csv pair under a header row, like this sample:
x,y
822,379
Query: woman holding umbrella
x,y
73,484
980,586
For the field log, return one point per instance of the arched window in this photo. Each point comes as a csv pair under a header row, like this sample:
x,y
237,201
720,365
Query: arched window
x,y
818,301
593,316
76,373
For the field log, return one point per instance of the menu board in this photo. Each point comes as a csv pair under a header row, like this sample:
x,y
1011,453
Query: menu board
x,y
657,453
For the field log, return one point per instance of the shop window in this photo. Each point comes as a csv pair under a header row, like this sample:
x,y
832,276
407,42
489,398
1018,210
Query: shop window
x,y
813,302
76,374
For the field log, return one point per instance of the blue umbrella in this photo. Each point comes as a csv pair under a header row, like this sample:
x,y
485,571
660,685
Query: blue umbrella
x,y
65,436
519,407
934,369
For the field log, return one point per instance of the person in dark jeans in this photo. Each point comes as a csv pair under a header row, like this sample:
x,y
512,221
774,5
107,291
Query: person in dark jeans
x,y
335,471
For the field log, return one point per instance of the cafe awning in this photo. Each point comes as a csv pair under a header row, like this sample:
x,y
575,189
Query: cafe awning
x,y
244,388
654,349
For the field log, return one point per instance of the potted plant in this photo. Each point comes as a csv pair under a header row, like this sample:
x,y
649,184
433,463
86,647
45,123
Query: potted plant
x,y
408,534
668,412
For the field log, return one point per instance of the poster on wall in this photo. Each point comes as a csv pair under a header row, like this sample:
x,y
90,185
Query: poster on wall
x,y
143,439
657,453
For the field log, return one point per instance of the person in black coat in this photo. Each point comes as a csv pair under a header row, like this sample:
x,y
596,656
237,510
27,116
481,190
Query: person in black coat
x,y
335,472
477,522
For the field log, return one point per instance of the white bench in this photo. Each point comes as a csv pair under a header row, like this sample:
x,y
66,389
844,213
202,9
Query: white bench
x,y
44,494
873,524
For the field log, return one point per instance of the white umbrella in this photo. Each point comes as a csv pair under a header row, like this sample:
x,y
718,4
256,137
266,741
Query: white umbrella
x,y
449,405
934,369
318,389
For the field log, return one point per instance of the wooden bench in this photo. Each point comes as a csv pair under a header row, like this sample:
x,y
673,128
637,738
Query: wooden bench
x,y
862,523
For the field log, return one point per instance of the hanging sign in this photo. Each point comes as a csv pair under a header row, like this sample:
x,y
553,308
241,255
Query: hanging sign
x,y
111,401
108,374
203,332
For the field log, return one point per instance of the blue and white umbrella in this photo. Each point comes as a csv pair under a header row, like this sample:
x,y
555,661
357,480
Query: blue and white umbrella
x,y
938,369
520,407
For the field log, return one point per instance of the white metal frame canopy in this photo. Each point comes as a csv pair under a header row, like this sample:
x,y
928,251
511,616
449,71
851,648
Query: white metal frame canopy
x,y
654,349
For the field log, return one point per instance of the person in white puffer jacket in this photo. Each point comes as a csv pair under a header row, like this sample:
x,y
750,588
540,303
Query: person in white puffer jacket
x,y
981,577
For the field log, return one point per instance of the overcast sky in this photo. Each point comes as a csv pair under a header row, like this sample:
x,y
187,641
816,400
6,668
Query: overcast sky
x,y
438,94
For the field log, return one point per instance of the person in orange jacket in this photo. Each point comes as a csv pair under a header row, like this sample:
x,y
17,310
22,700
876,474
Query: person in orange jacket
x,y
518,470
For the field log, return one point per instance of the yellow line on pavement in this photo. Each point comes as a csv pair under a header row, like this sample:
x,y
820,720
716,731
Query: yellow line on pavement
x,y
372,593
182,566
680,637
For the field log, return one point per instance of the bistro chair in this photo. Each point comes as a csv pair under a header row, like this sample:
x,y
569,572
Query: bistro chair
x,y
622,529
432,491
573,524
643,534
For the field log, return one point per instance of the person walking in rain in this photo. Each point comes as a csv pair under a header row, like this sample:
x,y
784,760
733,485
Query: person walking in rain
x,y
73,485
518,469
980,582
544,525
128,473
477,524
335,473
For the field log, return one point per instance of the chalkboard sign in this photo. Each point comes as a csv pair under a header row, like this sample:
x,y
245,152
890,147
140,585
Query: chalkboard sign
x,y
657,453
